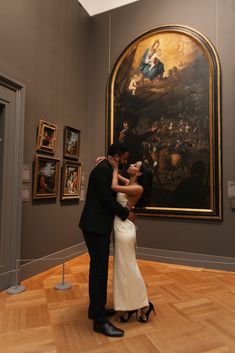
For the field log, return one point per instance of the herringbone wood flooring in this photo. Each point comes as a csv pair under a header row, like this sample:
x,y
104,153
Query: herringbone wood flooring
x,y
195,313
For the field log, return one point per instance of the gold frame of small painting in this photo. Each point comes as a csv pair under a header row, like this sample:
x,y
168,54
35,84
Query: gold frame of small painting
x,y
46,177
71,180
46,137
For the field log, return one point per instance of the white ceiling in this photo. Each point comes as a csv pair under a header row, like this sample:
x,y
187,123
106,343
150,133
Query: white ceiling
x,y
93,7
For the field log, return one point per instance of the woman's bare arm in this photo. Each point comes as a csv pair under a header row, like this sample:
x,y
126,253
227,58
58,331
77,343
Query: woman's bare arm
x,y
120,177
99,159
133,190
123,180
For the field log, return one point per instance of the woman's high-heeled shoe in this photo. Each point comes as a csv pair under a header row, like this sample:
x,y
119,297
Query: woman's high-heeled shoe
x,y
144,317
126,316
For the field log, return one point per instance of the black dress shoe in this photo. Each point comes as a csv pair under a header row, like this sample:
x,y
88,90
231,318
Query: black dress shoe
x,y
108,329
109,312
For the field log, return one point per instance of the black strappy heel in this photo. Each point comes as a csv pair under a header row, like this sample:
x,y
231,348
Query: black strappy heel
x,y
125,318
144,318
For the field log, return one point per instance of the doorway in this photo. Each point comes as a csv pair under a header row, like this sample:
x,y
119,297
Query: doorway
x,y
12,99
1,164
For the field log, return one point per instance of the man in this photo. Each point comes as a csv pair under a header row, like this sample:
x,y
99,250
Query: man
x,y
96,223
134,141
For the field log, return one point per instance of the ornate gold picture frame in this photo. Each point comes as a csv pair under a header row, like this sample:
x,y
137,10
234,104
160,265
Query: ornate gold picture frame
x,y
46,137
71,180
46,177
163,101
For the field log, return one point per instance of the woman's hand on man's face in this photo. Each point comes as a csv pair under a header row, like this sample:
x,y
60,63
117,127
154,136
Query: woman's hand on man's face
x,y
114,162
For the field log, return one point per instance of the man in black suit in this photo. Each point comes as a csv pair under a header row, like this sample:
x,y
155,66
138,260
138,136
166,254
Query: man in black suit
x,y
96,223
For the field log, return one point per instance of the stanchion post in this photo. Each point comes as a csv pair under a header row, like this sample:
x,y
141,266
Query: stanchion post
x,y
63,285
63,269
17,288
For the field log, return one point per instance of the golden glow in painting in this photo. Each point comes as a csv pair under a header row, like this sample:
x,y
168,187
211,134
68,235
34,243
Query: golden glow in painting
x,y
163,102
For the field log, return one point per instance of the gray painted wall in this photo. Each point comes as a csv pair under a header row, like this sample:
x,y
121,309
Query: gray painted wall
x,y
214,19
44,44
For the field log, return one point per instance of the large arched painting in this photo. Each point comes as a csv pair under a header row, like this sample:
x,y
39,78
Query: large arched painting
x,y
163,101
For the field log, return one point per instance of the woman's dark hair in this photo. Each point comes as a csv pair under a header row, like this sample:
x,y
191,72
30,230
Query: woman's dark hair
x,y
117,148
146,181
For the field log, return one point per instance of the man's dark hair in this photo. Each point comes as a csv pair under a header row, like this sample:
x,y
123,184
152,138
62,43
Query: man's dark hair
x,y
117,149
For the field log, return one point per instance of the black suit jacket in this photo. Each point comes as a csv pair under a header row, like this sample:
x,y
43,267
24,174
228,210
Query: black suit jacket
x,y
101,205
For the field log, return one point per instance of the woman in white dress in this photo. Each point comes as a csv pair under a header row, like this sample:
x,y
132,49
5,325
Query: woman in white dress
x,y
130,295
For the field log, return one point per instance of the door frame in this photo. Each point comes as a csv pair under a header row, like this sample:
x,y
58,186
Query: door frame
x,y
16,215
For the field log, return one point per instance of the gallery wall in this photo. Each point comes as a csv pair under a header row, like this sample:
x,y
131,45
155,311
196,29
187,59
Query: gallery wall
x,y
64,59
44,45
111,33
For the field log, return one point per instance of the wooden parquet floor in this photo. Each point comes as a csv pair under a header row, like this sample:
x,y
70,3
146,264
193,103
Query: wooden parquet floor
x,y
195,313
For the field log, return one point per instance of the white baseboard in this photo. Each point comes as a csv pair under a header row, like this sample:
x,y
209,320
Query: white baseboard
x,y
185,258
188,259
37,266
34,267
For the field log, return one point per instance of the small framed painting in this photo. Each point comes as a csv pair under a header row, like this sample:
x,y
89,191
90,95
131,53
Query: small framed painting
x,y
46,137
70,180
71,142
46,177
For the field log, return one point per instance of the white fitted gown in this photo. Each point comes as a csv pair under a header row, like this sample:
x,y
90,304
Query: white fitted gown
x,y
129,289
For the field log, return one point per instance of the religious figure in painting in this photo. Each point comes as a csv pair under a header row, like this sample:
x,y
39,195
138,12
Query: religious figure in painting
x,y
150,64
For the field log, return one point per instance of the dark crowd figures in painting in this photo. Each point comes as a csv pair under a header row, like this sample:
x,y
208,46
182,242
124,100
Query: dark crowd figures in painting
x,y
163,104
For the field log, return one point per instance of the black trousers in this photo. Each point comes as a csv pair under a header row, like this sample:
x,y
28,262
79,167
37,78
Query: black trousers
x,y
98,247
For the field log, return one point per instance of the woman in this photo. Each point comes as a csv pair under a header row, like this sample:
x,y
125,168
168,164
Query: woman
x,y
130,295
